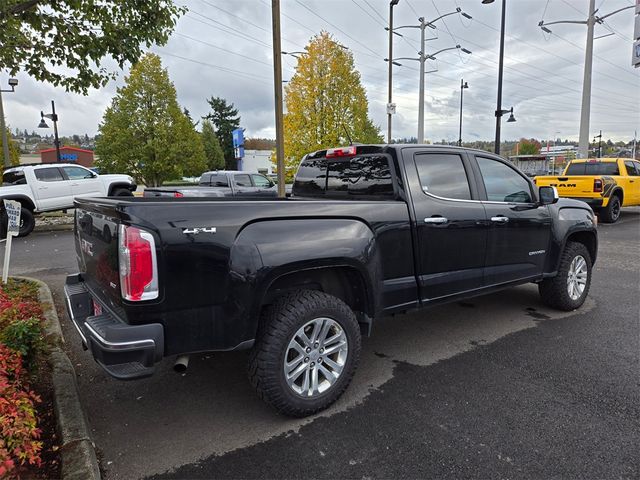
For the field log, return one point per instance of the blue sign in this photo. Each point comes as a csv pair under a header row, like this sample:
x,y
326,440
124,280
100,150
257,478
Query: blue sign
x,y
70,157
238,142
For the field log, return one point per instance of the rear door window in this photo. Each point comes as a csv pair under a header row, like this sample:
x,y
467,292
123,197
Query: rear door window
x,y
632,168
218,181
242,180
443,175
49,174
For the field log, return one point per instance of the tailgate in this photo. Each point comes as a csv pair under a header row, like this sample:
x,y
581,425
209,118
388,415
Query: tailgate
x,y
577,186
96,237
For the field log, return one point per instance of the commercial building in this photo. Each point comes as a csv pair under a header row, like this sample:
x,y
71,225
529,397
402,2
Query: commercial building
x,y
68,155
258,161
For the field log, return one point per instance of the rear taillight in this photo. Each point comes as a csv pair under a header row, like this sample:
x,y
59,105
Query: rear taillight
x,y
178,194
138,266
342,152
597,185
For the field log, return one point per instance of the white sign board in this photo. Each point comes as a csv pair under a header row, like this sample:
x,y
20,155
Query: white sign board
x,y
13,228
635,60
13,213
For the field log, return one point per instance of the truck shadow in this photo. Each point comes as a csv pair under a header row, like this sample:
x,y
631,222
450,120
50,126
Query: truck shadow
x,y
156,424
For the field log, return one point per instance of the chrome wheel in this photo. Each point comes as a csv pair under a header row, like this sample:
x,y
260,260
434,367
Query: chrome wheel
x,y
315,357
577,277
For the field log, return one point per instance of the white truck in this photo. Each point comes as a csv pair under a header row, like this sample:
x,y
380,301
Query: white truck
x,y
54,186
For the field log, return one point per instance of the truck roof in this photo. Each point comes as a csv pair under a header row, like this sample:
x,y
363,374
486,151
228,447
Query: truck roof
x,y
40,165
596,160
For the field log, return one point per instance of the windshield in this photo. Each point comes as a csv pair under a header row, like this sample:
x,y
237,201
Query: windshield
x,y
593,168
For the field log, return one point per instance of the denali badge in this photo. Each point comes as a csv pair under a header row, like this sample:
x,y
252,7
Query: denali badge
x,y
197,230
537,252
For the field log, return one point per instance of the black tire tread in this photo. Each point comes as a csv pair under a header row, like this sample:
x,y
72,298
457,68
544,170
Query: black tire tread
x,y
606,213
276,324
553,291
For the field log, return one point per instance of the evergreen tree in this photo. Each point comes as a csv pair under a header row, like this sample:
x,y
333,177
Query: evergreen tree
x,y
225,120
212,150
144,132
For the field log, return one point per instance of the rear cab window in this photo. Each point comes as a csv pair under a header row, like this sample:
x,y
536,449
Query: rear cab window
x,y
593,168
359,177
14,177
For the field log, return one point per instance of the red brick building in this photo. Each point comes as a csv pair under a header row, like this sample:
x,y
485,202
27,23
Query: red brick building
x,y
68,155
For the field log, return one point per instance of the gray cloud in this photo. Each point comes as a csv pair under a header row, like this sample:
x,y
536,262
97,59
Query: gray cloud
x,y
230,56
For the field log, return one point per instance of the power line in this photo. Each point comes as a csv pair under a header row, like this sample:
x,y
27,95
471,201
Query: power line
x,y
253,59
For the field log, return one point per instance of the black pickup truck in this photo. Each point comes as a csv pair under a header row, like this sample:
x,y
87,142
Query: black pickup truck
x,y
369,231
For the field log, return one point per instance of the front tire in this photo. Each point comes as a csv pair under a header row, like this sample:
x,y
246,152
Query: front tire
x,y
27,222
569,288
307,351
121,192
611,213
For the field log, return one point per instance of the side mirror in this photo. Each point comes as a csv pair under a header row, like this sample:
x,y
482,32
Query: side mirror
x,y
548,195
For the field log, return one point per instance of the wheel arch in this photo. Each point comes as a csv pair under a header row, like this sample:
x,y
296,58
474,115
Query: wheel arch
x,y
588,239
24,201
117,185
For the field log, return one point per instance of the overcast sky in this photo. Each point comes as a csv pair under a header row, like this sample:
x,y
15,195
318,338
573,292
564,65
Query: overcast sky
x,y
229,55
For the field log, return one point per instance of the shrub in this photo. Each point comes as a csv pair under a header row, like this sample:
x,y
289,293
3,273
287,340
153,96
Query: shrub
x,y
23,336
19,434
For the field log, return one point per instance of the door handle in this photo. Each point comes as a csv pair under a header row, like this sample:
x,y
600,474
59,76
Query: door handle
x,y
436,220
42,188
631,181
500,219
75,184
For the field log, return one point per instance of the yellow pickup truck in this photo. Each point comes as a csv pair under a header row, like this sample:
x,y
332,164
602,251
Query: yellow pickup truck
x,y
606,184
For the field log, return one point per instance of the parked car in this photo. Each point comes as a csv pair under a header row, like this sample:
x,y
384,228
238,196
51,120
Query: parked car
x,y
370,231
221,183
606,184
49,187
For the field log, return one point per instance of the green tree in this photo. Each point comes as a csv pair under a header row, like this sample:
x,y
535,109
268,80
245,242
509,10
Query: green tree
x,y
14,149
41,36
225,120
212,150
325,99
144,132
529,146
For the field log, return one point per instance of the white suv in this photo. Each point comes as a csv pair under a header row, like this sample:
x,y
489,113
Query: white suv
x,y
53,186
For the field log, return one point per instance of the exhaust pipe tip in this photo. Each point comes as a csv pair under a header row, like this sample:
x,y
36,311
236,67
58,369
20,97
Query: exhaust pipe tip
x,y
181,364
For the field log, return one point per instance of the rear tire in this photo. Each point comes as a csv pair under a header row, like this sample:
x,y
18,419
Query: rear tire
x,y
611,213
569,288
27,222
282,350
121,192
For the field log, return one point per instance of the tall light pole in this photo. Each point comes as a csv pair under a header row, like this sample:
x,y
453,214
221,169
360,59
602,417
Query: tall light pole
x,y
277,86
53,116
499,111
5,140
599,137
585,112
390,105
422,57
463,85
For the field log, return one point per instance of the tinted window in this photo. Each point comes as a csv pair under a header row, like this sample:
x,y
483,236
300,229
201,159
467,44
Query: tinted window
x,y
632,168
593,168
48,174
311,177
369,176
260,181
443,174
503,183
76,173
14,178
215,180
242,180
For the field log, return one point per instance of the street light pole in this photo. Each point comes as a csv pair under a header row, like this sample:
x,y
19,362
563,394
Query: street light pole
x,y
53,117
277,85
463,85
423,58
5,140
500,68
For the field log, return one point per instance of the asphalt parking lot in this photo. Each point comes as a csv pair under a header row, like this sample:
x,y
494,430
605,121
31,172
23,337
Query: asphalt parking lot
x,y
497,386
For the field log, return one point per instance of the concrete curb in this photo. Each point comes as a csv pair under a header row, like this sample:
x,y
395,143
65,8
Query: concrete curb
x,y
79,461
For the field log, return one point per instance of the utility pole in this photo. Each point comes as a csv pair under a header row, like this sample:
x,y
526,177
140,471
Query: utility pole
x,y
421,90
277,85
390,106
599,137
583,145
500,68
